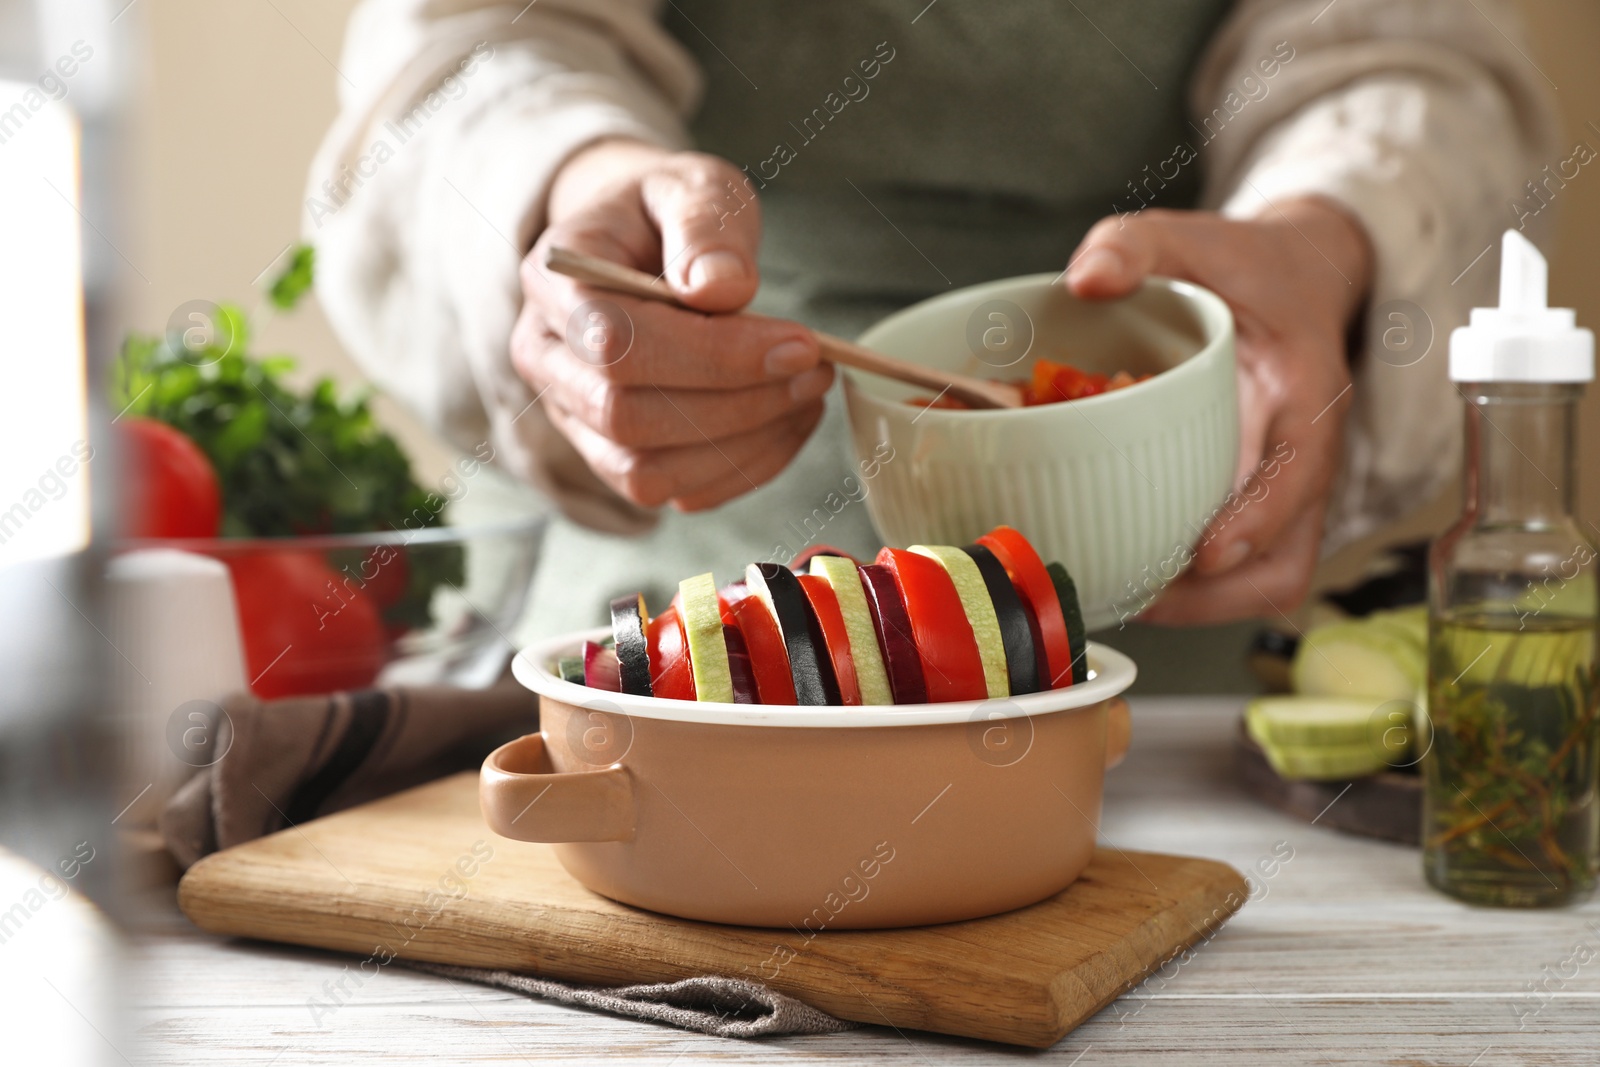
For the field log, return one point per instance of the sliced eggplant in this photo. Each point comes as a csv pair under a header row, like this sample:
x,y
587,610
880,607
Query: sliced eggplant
x,y
893,628
779,589
629,620
1077,637
1016,630
600,667
740,671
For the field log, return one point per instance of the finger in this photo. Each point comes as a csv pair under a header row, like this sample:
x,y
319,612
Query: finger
x,y
1119,252
766,467
652,477
638,343
710,226
648,417
1296,457
1270,585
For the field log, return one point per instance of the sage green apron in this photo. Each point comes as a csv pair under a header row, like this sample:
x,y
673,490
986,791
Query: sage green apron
x,y
897,155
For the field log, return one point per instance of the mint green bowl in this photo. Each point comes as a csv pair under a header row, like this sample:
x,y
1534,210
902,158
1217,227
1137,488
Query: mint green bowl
x,y
1118,487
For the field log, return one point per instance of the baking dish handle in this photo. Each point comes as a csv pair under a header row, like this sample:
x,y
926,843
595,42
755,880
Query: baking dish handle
x,y
1119,731
524,800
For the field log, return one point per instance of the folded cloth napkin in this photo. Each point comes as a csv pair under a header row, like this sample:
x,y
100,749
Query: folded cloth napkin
x,y
274,764
721,1007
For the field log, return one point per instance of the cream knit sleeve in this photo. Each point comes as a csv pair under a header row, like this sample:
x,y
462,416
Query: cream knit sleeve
x,y
431,185
1427,120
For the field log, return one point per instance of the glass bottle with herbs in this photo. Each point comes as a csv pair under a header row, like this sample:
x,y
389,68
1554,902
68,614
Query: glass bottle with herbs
x,y
1511,813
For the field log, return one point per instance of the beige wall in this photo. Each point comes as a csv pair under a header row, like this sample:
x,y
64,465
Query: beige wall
x,y
238,92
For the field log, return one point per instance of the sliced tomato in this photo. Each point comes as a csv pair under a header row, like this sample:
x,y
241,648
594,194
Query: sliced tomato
x,y
826,606
769,659
1028,574
670,673
939,626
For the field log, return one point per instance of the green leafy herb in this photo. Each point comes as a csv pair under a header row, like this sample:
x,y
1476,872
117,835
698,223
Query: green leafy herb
x,y
295,281
289,462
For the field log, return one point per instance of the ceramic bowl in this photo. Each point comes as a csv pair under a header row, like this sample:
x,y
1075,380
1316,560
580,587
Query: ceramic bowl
x,y
812,818
1117,486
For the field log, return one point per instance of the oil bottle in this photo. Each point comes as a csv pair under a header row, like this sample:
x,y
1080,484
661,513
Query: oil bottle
x,y
1511,816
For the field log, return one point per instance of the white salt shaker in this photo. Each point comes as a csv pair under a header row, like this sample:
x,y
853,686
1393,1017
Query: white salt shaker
x,y
175,626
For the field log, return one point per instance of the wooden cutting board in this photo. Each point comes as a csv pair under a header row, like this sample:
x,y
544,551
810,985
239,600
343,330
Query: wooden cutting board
x,y
419,875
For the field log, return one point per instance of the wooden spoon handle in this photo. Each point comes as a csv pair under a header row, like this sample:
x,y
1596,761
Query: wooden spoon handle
x,y
604,274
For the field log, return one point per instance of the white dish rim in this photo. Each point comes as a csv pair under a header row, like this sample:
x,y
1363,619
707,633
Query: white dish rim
x,y
1110,673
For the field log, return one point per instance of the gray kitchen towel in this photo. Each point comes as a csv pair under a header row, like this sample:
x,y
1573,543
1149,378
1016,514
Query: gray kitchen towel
x,y
721,1007
274,764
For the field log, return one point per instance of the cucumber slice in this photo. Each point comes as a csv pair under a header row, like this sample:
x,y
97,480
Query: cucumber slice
x,y
1016,624
1380,659
979,609
1331,723
570,668
1077,636
702,627
1322,763
629,618
844,578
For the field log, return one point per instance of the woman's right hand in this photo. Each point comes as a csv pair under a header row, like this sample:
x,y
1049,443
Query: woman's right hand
x,y
665,405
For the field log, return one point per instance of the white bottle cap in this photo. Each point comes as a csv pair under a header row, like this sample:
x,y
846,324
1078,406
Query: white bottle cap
x,y
1522,340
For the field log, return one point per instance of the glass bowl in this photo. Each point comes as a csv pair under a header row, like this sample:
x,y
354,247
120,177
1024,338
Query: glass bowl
x,y
431,606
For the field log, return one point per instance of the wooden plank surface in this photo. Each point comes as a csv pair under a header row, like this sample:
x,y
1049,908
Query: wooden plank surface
x,y
1343,957
419,876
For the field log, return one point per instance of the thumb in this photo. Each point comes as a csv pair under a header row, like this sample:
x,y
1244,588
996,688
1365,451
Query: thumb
x,y
1118,253
710,225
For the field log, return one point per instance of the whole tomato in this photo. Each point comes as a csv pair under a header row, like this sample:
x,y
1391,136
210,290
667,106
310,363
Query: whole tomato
x,y
305,629
171,488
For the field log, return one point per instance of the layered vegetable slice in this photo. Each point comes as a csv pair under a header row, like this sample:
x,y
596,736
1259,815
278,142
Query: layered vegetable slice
x,y
1027,572
901,660
1067,597
769,659
701,611
809,665
740,673
600,667
671,675
1014,617
979,610
836,639
629,620
844,576
952,666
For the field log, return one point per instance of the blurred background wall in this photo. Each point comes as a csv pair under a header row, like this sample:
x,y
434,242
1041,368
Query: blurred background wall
x,y
238,93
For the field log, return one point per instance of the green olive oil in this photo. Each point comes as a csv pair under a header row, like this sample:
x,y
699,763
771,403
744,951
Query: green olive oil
x,y
1511,810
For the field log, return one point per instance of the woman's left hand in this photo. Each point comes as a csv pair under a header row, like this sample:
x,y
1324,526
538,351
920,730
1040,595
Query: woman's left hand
x,y
1294,276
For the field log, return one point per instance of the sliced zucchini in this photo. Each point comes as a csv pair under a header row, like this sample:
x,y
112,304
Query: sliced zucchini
x,y
843,576
1016,626
708,650
1077,636
629,620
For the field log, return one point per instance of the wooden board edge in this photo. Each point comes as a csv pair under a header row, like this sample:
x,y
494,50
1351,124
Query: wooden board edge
x,y
1203,911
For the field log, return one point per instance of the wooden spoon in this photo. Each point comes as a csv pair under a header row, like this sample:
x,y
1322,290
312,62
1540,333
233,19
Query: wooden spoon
x,y
604,274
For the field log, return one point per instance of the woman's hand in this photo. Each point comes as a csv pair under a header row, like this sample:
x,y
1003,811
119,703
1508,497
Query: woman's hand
x,y
1294,276
666,405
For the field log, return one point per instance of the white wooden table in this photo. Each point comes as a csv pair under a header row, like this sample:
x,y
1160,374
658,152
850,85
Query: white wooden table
x,y
1344,956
